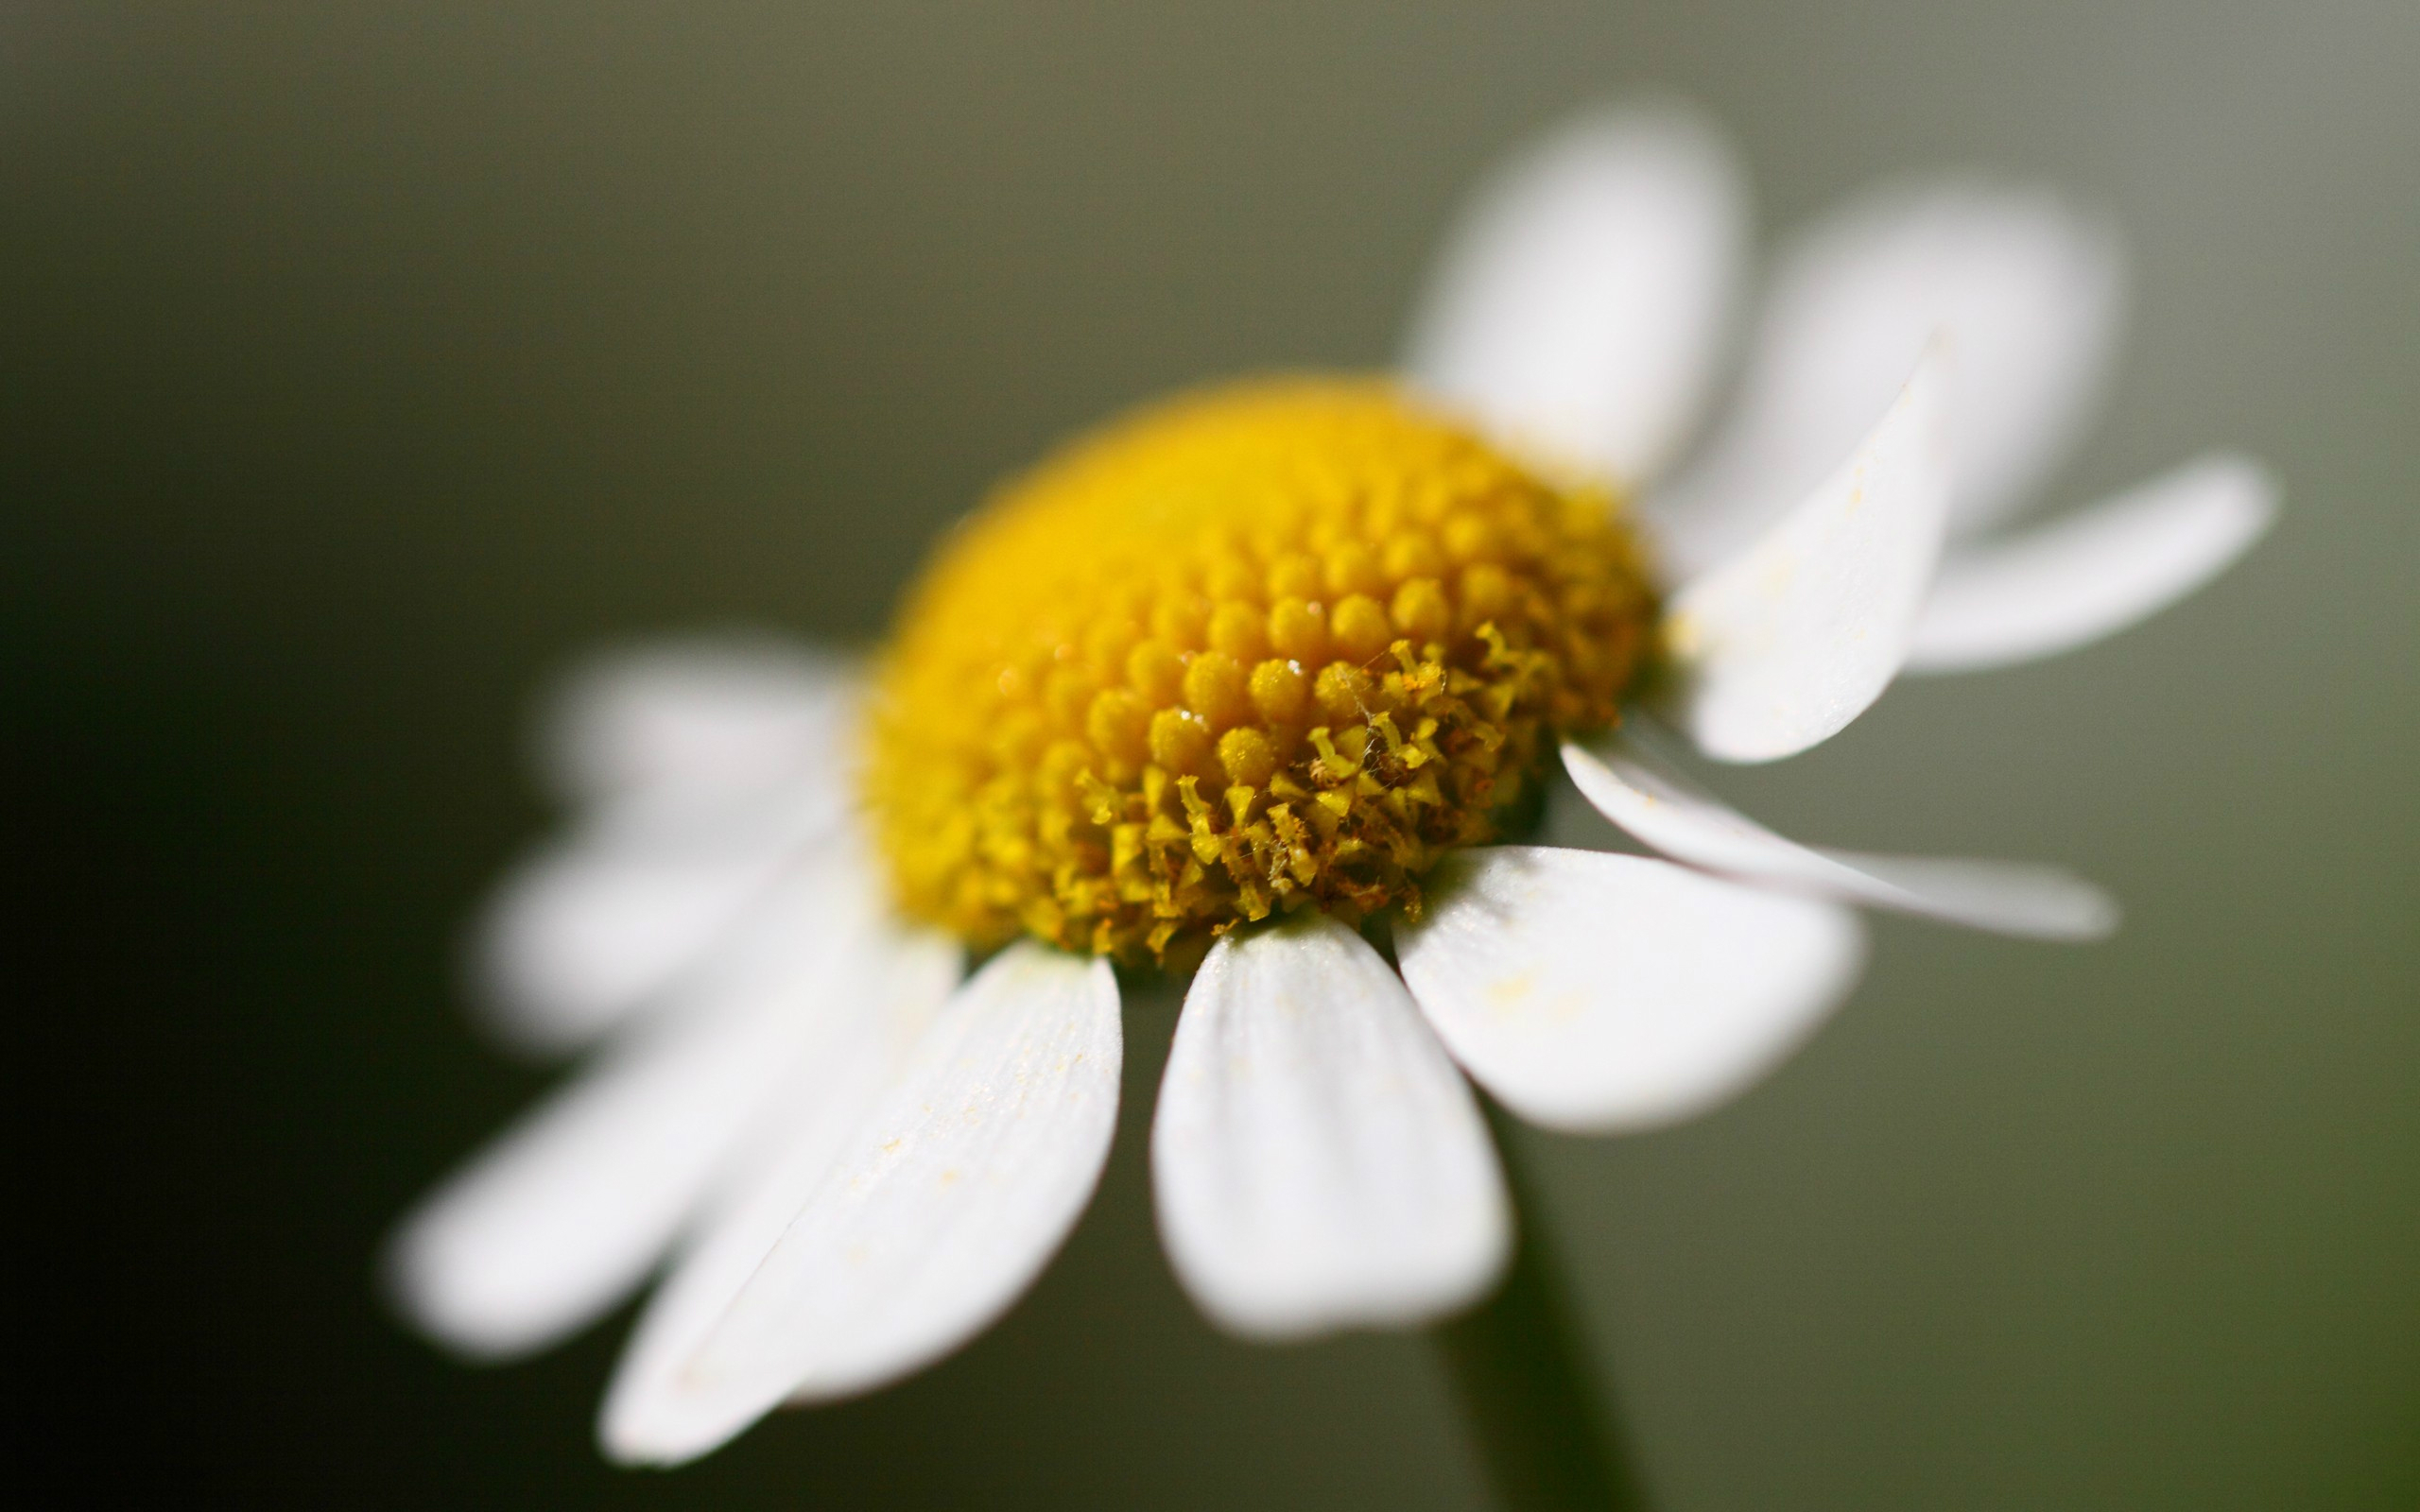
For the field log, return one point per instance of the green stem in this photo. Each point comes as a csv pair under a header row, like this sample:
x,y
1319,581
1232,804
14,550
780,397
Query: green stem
x,y
1521,1370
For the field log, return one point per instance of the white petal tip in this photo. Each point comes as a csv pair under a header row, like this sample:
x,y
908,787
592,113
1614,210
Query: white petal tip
x,y
2101,919
1997,897
1577,310
943,1205
457,1302
1835,956
1434,1298
1781,647
1318,1162
708,709
659,1435
1602,994
2064,585
1652,802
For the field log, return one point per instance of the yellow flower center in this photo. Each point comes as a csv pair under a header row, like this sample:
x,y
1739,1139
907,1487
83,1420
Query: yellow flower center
x,y
1261,649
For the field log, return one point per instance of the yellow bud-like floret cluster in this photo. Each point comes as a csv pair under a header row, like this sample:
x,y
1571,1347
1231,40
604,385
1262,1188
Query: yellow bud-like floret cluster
x,y
1257,649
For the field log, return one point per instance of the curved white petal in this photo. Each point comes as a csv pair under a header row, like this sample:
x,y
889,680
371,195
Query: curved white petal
x,y
2029,293
569,1210
1781,647
583,932
702,713
1597,992
1579,309
1659,807
942,1207
813,1117
2069,583
1319,1163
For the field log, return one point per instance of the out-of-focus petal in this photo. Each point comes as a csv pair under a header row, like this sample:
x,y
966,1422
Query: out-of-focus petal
x,y
1578,311
942,1208
1659,807
810,1123
2067,584
704,714
609,917
572,1208
2029,293
1597,992
1319,1163
1781,647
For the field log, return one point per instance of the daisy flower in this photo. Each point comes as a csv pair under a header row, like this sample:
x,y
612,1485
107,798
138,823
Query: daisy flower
x,y
1255,685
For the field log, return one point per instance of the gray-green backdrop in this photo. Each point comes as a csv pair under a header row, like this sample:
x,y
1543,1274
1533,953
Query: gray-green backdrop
x,y
360,365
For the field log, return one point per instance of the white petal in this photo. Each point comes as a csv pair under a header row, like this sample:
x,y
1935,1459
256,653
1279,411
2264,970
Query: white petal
x,y
2029,293
1578,309
702,713
2095,573
1319,1163
567,1212
1647,797
606,919
942,1207
1780,648
1597,992
821,1105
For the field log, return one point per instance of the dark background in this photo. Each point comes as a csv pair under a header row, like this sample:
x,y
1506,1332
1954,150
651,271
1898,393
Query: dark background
x,y
360,365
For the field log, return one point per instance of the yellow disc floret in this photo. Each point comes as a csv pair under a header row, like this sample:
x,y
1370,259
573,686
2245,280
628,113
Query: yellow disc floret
x,y
1257,649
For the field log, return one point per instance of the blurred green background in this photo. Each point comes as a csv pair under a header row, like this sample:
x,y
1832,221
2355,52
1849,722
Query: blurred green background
x,y
361,366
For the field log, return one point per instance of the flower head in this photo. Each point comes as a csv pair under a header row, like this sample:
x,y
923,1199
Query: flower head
x,y
1264,649
1249,684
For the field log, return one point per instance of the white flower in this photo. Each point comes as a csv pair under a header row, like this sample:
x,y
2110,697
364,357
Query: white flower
x,y
856,1160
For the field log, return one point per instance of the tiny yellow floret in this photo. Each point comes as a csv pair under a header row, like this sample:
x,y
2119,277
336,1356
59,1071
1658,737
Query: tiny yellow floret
x,y
1260,648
